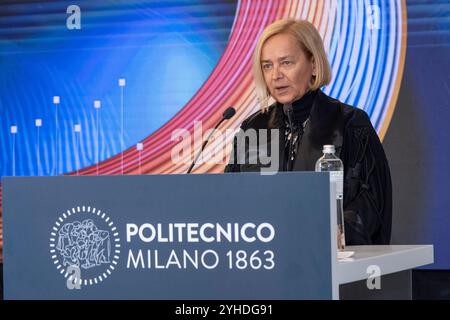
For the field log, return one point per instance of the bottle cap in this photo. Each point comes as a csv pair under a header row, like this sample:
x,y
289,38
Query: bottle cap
x,y
328,148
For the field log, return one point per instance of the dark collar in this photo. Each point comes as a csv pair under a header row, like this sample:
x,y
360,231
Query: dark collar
x,y
305,101
324,113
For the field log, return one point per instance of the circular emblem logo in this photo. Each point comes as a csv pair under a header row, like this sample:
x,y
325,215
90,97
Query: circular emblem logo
x,y
84,246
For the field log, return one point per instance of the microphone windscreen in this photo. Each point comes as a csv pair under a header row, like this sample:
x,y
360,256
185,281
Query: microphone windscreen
x,y
227,114
287,109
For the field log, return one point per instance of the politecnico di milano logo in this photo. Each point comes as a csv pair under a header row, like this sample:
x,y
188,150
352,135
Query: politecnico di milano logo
x,y
84,246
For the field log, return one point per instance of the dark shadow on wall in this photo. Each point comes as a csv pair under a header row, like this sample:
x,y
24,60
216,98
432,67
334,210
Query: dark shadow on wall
x,y
431,284
404,147
1,281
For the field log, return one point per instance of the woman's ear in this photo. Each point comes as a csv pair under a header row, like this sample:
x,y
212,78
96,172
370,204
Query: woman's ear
x,y
313,63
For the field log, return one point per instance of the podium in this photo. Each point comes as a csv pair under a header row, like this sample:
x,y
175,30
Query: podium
x,y
228,236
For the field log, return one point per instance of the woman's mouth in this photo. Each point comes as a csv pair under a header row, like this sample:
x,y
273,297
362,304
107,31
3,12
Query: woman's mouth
x,y
281,89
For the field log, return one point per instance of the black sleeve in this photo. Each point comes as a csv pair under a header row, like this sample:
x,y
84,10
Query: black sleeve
x,y
367,188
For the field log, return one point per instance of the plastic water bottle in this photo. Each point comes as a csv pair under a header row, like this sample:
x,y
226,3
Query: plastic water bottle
x,y
329,162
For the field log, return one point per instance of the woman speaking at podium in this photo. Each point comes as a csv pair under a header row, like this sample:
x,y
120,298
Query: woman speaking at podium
x,y
290,66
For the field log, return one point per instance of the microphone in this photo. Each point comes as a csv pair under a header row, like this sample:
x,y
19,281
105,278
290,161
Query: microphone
x,y
227,114
288,109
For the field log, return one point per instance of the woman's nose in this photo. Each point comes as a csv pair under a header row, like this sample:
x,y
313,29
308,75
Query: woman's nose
x,y
277,74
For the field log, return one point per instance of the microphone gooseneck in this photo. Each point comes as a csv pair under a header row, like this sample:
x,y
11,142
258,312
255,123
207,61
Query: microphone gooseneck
x,y
227,114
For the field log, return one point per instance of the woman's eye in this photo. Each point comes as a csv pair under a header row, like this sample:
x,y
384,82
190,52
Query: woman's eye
x,y
266,66
286,63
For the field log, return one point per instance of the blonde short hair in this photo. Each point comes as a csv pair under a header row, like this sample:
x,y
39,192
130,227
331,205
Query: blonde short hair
x,y
311,43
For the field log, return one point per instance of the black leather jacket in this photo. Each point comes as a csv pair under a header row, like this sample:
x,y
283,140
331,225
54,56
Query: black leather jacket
x,y
367,180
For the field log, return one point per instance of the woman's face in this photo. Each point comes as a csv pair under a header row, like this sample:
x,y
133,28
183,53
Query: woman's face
x,y
287,70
